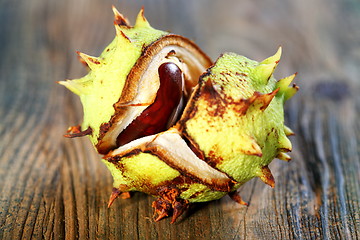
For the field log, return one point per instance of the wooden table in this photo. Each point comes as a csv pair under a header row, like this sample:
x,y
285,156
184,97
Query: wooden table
x,y
57,188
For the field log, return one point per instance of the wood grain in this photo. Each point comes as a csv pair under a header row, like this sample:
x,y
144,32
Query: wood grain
x,y
56,188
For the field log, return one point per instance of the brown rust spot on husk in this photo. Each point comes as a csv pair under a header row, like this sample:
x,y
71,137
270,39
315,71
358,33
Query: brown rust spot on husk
x,y
237,198
267,98
267,177
121,21
214,159
169,203
216,105
104,127
75,131
117,158
119,192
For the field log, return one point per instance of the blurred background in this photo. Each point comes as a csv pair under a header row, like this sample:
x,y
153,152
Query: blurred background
x,y
57,188
321,39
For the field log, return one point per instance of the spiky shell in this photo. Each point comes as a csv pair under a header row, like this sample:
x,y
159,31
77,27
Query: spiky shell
x,y
123,81
232,126
234,119
240,107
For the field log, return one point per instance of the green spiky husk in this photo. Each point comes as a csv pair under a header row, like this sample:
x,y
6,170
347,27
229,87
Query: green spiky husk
x,y
236,119
102,87
241,113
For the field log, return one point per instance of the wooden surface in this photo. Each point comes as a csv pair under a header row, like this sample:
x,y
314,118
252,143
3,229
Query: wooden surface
x,y
56,188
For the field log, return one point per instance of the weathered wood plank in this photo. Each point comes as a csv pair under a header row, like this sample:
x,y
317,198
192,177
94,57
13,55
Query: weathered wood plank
x,y
56,188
